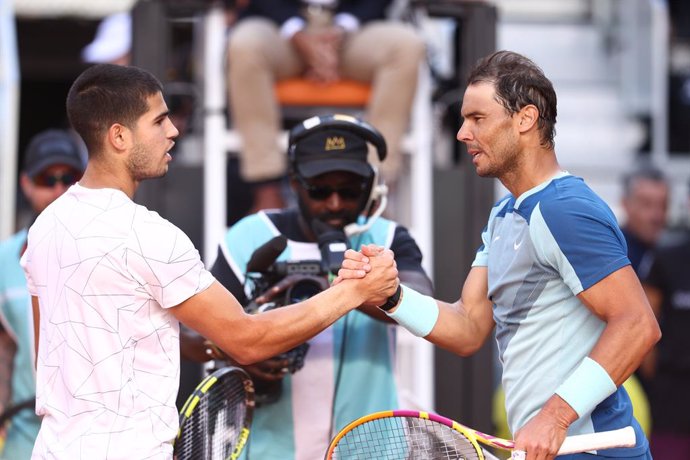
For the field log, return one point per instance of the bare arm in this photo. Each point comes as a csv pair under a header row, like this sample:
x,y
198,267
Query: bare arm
x,y
251,338
37,325
631,327
8,348
655,298
631,331
463,326
195,347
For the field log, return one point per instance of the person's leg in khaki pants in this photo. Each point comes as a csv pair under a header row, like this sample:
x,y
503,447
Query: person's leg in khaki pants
x,y
388,54
258,56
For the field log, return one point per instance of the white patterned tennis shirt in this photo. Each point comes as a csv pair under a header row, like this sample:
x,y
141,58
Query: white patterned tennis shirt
x,y
105,271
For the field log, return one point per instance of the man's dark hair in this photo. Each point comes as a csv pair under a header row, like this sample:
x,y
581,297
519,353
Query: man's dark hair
x,y
519,82
105,94
643,171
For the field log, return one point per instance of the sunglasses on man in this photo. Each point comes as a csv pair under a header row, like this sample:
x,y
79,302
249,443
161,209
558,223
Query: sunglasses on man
x,y
350,192
67,178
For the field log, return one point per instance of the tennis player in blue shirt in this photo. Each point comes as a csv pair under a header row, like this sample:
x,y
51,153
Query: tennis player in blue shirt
x,y
552,276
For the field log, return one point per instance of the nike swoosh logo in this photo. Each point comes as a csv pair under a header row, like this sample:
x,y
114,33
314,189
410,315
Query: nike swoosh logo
x,y
517,245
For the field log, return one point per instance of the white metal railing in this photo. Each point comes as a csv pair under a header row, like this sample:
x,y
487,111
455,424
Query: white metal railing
x,y
643,36
9,118
70,8
215,202
659,80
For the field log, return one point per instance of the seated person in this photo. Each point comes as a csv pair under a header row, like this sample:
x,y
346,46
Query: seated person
x,y
279,39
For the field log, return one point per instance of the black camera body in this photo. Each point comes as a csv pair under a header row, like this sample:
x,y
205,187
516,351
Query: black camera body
x,y
299,280
305,280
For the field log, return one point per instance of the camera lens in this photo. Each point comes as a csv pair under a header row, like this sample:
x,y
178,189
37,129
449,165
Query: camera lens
x,y
302,290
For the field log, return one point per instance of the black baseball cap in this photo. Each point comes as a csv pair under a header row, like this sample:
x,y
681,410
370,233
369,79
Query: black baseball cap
x,y
53,147
331,150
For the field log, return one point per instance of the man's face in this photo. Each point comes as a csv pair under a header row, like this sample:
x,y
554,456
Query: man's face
x,y
153,138
489,132
48,185
646,207
334,198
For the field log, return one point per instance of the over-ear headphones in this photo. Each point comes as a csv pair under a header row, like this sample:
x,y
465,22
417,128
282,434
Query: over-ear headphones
x,y
337,121
377,191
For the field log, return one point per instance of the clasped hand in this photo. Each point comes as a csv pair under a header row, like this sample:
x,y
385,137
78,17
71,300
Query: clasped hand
x,y
321,53
374,268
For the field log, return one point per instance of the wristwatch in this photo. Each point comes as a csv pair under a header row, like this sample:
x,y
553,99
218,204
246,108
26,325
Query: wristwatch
x,y
392,300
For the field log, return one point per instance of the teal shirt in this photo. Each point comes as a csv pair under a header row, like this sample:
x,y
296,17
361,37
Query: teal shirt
x,y
15,313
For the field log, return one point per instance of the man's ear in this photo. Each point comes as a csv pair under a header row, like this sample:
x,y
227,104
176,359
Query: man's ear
x,y
528,116
25,184
118,136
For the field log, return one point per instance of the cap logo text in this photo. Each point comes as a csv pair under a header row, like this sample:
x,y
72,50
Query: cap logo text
x,y
335,143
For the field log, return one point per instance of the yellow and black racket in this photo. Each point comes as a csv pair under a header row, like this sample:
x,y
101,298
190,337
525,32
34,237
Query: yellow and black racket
x,y
216,418
413,435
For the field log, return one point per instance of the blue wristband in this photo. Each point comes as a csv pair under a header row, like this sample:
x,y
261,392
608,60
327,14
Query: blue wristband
x,y
589,385
417,312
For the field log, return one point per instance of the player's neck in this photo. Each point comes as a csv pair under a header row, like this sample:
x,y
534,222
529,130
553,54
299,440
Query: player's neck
x,y
533,171
98,175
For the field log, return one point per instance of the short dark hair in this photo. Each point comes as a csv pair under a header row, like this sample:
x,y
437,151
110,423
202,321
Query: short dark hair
x,y
519,82
105,94
643,170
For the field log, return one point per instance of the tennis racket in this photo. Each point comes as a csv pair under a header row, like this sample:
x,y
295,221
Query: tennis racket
x,y
412,435
216,418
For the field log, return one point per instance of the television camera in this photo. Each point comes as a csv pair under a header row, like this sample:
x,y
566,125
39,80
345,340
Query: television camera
x,y
295,281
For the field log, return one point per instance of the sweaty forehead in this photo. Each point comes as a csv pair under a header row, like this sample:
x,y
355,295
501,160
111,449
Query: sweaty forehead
x,y
479,98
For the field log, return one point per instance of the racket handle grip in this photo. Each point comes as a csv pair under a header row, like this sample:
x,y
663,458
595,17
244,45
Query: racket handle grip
x,y
623,437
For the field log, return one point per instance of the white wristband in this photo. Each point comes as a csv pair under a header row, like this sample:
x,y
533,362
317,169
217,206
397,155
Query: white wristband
x,y
417,312
589,385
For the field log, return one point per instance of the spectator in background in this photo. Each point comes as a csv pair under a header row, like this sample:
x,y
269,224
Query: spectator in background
x,y
645,202
54,160
349,368
278,39
667,367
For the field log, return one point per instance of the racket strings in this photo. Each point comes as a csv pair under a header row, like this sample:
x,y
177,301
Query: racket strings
x,y
216,423
408,438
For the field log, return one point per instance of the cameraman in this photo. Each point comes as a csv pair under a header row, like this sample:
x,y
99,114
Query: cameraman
x,y
349,368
